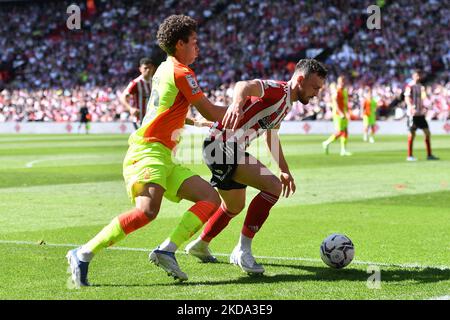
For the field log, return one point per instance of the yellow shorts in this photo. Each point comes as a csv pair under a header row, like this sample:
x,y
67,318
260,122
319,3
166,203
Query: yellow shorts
x,y
340,124
368,120
152,163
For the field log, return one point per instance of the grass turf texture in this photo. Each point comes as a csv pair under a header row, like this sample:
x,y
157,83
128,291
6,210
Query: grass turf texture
x,y
61,189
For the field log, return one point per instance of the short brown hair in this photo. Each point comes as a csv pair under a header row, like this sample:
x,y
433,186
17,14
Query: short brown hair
x,y
146,61
309,66
174,28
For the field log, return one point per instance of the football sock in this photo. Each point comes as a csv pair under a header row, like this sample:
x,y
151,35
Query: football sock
x,y
343,143
410,146
331,138
257,213
115,231
428,144
168,245
216,224
245,243
191,221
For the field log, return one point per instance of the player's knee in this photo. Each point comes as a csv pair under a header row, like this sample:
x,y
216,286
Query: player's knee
x,y
235,208
150,212
213,198
273,186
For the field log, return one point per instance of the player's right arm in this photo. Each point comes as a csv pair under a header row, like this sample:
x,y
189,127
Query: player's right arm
x,y
337,98
409,101
242,90
363,110
125,96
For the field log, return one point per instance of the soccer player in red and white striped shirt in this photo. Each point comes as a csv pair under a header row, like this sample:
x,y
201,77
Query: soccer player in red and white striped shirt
x,y
258,107
139,90
416,116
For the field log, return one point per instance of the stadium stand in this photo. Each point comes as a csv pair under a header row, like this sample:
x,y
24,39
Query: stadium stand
x,y
48,71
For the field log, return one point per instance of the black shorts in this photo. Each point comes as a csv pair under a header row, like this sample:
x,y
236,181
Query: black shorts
x,y
222,159
417,122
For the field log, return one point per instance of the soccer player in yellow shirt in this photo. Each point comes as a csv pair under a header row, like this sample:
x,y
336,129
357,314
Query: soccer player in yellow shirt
x,y
341,117
148,168
369,116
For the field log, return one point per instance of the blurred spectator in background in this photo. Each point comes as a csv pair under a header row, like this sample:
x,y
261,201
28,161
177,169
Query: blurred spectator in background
x,y
49,68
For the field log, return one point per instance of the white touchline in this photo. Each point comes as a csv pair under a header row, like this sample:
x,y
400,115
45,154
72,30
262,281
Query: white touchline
x,y
382,264
32,163
441,298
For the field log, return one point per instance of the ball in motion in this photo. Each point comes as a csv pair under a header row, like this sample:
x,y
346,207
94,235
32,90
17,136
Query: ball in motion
x,y
337,251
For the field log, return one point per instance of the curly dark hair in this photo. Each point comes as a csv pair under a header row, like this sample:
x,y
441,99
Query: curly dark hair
x,y
174,28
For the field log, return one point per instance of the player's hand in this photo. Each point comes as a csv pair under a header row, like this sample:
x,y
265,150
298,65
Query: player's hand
x,y
288,184
134,112
233,116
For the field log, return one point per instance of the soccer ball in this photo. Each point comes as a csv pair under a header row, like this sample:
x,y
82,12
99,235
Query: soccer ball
x,y
337,251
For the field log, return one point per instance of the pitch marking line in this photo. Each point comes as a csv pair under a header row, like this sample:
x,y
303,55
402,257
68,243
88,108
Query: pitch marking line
x,y
32,163
441,298
381,264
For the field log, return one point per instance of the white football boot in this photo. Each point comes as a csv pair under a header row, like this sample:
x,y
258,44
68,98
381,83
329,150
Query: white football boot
x,y
346,153
166,260
199,249
246,261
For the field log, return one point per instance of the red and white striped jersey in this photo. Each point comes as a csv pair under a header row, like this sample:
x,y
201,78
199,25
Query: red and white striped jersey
x,y
260,113
414,92
140,90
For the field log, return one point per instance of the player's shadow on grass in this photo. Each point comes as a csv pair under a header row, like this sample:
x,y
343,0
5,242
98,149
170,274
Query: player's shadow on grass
x,y
319,273
314,273
388,274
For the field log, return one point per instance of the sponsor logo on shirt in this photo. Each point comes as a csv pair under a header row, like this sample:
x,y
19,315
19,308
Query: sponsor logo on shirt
x,y
266,122
193,84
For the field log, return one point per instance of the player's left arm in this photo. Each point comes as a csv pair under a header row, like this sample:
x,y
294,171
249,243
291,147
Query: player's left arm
x,y
208,110
186,82
274,144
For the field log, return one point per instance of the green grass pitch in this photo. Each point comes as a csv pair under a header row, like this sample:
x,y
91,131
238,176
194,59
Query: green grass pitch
x,y
57,191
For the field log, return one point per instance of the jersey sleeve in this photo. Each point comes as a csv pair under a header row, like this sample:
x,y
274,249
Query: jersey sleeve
x,y
131,88
272,90
186,82
407,92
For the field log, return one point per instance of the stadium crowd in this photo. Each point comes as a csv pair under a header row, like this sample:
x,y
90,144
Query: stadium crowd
x,y
48,71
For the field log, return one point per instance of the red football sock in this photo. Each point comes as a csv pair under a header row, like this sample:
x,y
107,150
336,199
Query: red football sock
x,y
337,135
257,213
410,145
216,224
428,144
345,133
132,220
